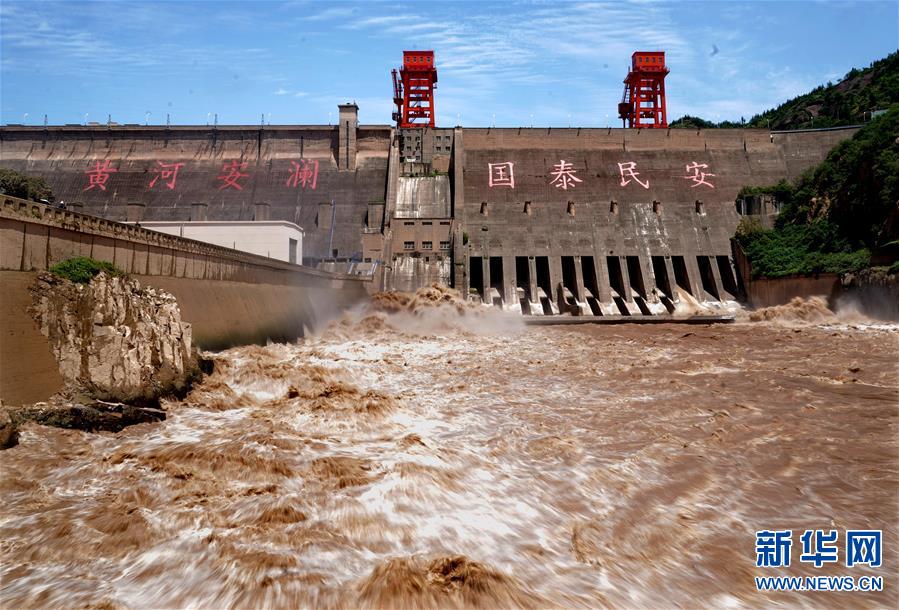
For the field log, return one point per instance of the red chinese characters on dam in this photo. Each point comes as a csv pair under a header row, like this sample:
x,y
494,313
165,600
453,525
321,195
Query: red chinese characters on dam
x,y
99,175
628,171
563,175
501,174
231,179
304,173
698,176
168,172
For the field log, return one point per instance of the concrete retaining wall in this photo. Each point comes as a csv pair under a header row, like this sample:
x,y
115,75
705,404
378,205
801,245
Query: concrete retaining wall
x,y
229,297
766,292
28,370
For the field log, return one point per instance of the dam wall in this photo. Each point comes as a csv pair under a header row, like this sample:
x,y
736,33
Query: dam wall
x,y
295,170
547,220
229,297
555,220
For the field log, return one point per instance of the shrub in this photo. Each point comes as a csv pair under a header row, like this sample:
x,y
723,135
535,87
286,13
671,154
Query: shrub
x,y
801,250
82,269
749,226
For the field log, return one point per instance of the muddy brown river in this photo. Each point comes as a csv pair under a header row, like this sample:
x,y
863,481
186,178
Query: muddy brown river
x,y
436,459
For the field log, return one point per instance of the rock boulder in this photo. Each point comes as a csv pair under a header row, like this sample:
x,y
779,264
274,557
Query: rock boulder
x,y
115,340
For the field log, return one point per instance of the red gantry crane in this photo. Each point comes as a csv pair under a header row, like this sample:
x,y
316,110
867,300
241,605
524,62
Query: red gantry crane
x,y
643,103
413,90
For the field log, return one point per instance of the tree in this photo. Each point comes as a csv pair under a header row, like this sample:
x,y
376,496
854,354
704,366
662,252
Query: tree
x,y
17,184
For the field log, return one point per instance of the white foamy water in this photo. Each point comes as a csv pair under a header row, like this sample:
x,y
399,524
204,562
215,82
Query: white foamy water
x,y
450,466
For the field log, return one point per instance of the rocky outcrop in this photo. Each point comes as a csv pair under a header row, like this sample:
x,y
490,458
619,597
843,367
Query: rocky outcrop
x,y
94,417
9,434
115,340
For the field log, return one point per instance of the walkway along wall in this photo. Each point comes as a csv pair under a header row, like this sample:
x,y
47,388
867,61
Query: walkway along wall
x,y
229,297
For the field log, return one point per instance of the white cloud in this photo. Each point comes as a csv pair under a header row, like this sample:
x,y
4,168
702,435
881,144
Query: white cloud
x,y
380,21
336,12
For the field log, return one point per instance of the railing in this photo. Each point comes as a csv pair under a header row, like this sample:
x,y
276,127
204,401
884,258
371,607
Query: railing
x,y
38,213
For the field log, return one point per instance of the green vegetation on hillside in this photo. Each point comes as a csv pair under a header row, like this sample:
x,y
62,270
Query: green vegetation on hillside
x,y
860,91
17,184
799,249
848,102
837,213
82,269
694,122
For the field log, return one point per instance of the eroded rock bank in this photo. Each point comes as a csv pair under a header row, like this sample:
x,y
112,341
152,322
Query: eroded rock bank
x,y
120,348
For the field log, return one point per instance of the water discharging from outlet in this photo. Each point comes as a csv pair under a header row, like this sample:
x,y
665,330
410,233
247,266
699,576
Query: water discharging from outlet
x,y
438,457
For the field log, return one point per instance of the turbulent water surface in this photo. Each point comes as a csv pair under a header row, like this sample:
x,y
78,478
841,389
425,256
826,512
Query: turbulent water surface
x,y
470,461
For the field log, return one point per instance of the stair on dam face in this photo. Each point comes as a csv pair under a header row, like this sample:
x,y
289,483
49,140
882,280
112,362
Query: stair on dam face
x,y
619,288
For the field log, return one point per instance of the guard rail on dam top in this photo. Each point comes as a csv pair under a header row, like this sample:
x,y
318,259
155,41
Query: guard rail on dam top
x,y
229,297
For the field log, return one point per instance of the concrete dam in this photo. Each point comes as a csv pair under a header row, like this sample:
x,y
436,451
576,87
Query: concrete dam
x,y
546,221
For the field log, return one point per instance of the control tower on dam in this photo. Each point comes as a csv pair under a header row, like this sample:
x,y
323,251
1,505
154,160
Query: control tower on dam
x,y
547,221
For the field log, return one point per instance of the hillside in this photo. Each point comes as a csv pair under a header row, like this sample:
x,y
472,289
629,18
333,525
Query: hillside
x,y
838,213
832,105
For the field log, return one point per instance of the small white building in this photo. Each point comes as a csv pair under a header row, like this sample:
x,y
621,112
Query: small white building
x,y
276,239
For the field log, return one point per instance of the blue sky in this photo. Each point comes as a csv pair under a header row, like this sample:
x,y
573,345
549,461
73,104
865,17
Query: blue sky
x,y
513,64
